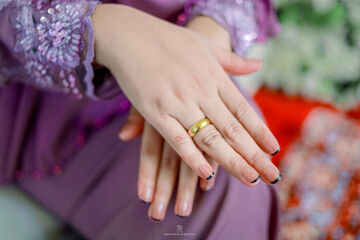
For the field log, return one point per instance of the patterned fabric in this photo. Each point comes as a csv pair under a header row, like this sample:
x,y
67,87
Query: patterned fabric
x,y
244,19
238,17
320,193
50,45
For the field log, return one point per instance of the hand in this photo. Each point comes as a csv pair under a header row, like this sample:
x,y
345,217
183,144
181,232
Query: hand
x,y
159,168
184,67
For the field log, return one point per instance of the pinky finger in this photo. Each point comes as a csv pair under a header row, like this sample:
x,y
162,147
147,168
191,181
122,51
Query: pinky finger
x,y
207,185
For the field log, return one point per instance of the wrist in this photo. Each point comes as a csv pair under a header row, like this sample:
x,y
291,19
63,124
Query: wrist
x,y
106,19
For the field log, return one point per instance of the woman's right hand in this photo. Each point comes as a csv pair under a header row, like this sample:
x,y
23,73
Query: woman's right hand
x,y
175,77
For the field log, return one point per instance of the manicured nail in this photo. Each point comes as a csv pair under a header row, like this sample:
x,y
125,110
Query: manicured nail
x,y
144,201
271,144
124,131
249,174
157,211
156,220
277,179
206,171
256,179
146,195
209,177
206,188
270,172
278,150
181,216
182,208
207,185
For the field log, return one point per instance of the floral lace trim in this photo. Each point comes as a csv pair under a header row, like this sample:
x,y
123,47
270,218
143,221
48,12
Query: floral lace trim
x,y
49,38
236,16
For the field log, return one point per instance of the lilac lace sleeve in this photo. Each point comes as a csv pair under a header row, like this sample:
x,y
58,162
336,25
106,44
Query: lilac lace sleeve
x,y
48,44
246,20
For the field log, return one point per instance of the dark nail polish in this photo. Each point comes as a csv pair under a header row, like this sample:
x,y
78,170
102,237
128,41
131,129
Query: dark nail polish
x,y
256,179
181,216
157,220
144,201
276,180
278,150
208,178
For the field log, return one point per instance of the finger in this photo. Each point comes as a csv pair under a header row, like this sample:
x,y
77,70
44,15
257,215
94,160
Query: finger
x,y
240,140
168,171
207,185
186,191
232,63
245,114
150,155
211,142
134,126
181,142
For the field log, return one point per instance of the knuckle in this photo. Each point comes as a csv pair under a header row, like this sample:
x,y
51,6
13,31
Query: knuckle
x,y
178,140
150,152
257,160
211,139
233,163
233,131
160,106
169,163
241,109
260,134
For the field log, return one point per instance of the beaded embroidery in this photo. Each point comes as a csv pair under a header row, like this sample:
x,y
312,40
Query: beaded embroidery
x,y
49,38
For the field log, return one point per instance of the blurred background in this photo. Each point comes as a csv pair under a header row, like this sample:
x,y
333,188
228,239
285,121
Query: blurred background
x,y
309,92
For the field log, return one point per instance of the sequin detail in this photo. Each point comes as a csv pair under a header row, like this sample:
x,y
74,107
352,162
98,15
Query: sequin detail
x,y
236,16
49,41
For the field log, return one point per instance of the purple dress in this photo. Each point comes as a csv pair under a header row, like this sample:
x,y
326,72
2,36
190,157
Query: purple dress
x,y
60,115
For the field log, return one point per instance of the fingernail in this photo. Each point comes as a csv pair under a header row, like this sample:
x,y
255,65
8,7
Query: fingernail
x,y
145,195
123,131
277,179
209,177
270,173
181,216
182,208
206,185
256,179
250,174
271,144
157,211
206,171
144,201
154,219
278,150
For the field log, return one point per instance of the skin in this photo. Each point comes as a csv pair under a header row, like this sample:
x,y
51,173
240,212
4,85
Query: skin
x,y
190,72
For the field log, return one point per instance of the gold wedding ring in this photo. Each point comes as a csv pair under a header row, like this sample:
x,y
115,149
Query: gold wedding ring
x,y
198,126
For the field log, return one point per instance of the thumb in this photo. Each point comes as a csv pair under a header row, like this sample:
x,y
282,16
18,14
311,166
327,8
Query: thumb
x,y
233,64
134,126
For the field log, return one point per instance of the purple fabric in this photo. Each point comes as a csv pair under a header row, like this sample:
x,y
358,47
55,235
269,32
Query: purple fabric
x,y
237,17
64,151
47,45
